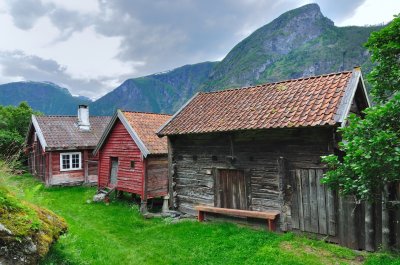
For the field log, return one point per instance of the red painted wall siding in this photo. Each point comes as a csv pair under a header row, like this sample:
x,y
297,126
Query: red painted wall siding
x,y
120,144
59,177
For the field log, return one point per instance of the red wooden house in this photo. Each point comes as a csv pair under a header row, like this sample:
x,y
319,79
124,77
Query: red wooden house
x,y
60,148
131,156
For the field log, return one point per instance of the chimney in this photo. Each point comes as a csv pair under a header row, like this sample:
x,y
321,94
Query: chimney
x,y
83,118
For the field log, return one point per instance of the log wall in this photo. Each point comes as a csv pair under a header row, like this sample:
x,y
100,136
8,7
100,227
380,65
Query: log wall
x,y
283,168
256,152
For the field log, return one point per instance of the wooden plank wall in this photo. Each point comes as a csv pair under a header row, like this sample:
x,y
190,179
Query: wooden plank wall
x,y
120,144
157,175
313,205
256,152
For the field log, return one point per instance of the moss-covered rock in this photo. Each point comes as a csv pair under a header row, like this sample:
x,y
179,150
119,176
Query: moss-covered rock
x,y
26,231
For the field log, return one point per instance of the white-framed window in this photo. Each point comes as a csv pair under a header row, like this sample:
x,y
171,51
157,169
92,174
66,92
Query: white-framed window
x,y
70,161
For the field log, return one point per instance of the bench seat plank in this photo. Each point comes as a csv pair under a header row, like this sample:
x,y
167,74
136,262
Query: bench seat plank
x,y
269,215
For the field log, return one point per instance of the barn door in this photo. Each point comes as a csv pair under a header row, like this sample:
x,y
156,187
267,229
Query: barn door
x,y
231,189
113,171
313,204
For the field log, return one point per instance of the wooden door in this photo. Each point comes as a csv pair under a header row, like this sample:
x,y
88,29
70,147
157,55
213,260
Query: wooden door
x,y
231,189
114,171
312,204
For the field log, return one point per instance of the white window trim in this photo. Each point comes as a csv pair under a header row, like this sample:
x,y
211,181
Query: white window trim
x,y
70,160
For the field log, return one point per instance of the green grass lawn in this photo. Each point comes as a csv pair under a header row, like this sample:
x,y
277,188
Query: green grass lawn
x,y
117,234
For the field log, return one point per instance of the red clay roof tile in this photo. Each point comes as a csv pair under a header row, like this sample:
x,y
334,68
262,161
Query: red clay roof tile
x,y
146,125
301,102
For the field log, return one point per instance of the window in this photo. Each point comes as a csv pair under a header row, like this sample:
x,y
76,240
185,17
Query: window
x,y
70,161
132,164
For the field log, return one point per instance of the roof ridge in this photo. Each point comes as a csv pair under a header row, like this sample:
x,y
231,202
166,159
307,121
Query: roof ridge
x,y
146,112
275,83
69,116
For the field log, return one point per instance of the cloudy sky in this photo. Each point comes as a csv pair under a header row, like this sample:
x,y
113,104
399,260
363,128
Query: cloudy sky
x,y
91,46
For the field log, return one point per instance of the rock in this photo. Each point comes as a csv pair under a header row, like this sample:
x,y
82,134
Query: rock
x,y
4,231
99,197
171,214
187,216
27,232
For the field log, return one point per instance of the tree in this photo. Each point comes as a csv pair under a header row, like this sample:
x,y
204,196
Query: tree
x,y
372,145
372,153
384,46
14,123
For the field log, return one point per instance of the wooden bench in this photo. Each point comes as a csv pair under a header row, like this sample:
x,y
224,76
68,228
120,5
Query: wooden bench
x,y
270,216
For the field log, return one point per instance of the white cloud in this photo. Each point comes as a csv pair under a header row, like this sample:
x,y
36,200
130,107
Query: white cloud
x,y
97,44
373,12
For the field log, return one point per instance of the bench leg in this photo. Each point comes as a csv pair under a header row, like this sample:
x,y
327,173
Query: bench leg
x,y
200,216
271,225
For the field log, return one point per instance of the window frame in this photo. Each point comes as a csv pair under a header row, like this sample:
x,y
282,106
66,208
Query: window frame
x,y
70,154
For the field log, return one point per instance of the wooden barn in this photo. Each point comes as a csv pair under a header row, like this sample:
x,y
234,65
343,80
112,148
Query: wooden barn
x,y
255,152
60,148
131,156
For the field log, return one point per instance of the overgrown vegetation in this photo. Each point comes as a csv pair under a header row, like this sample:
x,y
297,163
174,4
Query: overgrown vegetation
x,y
24,225
384,46
14,123
372,147
372,144
118,234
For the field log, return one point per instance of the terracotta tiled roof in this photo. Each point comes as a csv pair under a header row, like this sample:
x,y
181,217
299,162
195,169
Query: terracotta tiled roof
x,y
311,101
146,126
63,132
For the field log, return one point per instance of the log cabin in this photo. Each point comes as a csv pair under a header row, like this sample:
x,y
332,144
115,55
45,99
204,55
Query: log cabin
x,y
59,148
132,158
255,152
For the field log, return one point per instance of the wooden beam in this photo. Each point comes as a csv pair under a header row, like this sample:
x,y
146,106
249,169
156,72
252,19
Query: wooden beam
x,y
50,165
270,214
170,173
143,203
85,166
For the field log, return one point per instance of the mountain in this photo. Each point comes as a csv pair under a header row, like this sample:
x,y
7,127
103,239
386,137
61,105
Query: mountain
x,y
299,43
163,92
45,97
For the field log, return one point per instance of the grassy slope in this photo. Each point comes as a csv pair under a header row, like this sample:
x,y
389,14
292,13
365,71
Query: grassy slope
x,y
26,220
117,234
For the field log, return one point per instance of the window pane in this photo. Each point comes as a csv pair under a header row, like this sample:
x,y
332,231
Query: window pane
x,y
65,162
75,161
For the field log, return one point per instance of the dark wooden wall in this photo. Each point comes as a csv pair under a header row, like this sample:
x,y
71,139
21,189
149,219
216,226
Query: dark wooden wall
x,y
256,152
157,175
283,168
37,160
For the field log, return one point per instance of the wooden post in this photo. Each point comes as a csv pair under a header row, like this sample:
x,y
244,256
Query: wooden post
x,y
200,216
385,218
50,165
271,225
283,175
397,216
170,173
143,203
85,166
369,228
